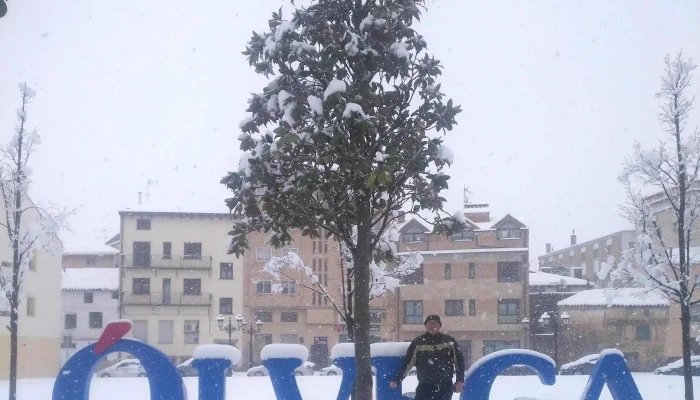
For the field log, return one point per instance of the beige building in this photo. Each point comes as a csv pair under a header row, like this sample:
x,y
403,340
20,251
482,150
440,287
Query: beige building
x,y
631,320
176,278
296,314
40,313
583,260
476,280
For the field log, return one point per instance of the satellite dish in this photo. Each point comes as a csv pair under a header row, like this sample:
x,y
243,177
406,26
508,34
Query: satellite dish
x,y
3,8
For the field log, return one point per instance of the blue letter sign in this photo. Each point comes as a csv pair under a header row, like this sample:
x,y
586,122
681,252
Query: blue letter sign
x,y
73,381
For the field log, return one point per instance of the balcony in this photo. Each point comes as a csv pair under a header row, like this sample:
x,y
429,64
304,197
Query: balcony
x,y
167,262
166,299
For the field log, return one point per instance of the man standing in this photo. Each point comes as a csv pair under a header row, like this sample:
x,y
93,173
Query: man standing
x,y
436,357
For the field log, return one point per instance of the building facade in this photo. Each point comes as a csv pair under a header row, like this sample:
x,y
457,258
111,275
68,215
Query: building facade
x,y
634,321
101,257
89,300
583,260
292,310
476,280
176,278
39,312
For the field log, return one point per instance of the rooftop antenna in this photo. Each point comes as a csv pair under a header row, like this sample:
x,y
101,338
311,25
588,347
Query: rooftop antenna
x,y
466,196
149,183
104,234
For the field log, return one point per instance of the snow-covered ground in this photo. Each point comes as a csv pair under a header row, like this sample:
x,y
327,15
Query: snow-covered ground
x,y
325,388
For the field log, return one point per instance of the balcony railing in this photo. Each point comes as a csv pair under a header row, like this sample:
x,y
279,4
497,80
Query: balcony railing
x,y
166,262
166,299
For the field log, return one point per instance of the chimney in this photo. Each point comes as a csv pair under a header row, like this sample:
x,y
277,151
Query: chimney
x,y
549,248
573,237
140,195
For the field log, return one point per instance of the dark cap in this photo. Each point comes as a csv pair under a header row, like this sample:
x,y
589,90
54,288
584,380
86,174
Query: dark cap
x,y
432,318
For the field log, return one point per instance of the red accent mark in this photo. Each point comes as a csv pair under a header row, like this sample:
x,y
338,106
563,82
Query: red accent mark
x,y
112,333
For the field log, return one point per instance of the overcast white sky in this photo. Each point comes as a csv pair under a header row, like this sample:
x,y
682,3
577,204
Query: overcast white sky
x,y
554,94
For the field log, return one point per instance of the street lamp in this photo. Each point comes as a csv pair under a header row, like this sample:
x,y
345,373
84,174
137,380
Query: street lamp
x,y
547,322
240,324
526,328
252,331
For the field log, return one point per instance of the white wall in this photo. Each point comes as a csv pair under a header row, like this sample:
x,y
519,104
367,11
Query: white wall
x,y
73,302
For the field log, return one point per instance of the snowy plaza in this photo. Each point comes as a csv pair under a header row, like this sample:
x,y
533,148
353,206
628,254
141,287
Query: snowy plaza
x,y
652,387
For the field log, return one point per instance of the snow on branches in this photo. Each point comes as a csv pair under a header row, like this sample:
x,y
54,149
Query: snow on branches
x,y
29,227
662,256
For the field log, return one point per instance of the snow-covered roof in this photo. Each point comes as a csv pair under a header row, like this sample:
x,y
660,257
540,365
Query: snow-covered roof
x,y
422,223
538,278
461,251
624,297
90,279
94,250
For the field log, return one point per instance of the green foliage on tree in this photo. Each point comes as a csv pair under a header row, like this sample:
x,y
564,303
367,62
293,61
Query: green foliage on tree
x,y
355,113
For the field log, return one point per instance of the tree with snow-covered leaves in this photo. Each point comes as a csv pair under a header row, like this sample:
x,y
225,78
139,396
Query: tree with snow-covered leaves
x,y
662,259
355,111
30,228
384,277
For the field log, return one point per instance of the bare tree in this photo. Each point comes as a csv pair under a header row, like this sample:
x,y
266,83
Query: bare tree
x,y
30,228
384,278
662,258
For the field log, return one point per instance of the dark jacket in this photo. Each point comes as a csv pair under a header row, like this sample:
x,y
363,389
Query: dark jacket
x,y
436,358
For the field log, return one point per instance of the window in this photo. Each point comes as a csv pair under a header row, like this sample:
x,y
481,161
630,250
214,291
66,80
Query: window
x,y
596,254
448,271
509,311
289,316
70,321
192,287
31,306
289,287
141,330
289,338
225,306
192,332
578,273
491,346
454,308
608,250
225,270
165,332
263,316
583,257
413,312
472,308
95,320
508,271
263,287
462,236
167,250
414,278
88,297
472,271
508,234
632,245
414,237
115,295
264,254
375,317
265,338
143,224
91,261
193,251
141,285
697,279
644,332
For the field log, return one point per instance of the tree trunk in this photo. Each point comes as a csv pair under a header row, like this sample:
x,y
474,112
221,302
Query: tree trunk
x,y
14,305
685,340
361,256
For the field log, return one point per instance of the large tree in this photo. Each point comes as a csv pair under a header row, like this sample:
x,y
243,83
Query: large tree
x,y
29,227
662,259
354,108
